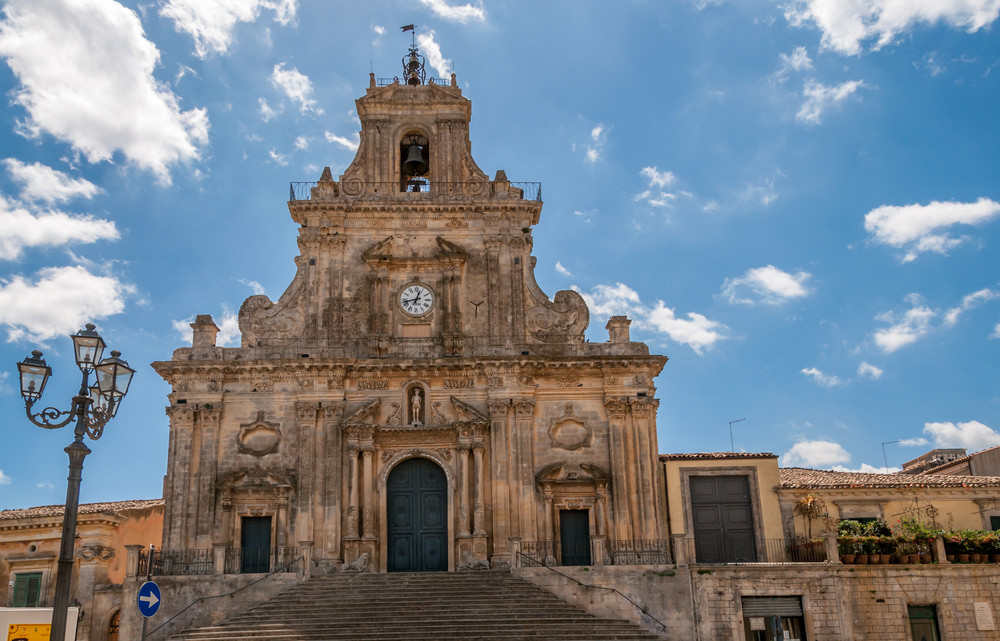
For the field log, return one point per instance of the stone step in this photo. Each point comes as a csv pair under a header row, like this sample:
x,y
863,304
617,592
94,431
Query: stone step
x,y
488,606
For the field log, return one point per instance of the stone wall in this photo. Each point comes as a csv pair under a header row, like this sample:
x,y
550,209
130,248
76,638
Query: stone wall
x,y
840,603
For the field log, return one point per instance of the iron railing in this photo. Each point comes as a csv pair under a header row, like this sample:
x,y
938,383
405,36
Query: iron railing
x,y
538,553
414,190
176,562
763,551
644,552
385,82
262,560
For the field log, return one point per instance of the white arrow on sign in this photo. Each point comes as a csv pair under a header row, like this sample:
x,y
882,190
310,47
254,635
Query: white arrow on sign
x,y
150,599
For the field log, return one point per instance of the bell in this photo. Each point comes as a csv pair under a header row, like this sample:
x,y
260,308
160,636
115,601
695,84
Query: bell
x,y
415,165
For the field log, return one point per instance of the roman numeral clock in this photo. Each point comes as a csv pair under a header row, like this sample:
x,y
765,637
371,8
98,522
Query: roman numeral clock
x,y
416,300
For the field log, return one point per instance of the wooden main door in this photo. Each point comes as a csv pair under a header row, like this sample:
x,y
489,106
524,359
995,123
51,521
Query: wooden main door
x,y
723,519
255,544
417,501
574,537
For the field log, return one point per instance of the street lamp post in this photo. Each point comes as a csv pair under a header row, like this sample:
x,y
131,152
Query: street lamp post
x,y
92,408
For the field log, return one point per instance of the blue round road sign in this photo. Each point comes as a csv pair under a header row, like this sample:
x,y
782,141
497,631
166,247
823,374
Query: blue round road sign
x,y
148,599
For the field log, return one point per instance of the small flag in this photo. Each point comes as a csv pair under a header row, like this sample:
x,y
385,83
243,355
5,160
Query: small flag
x,y
408,27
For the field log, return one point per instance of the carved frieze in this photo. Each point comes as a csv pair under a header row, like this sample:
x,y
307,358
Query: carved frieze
x,y
459,383
99,552
373,384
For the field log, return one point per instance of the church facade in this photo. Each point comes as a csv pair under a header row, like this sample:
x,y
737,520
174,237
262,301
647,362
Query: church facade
x,y
413,401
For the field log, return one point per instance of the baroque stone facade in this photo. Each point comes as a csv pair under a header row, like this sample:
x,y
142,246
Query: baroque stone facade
x,y
413,329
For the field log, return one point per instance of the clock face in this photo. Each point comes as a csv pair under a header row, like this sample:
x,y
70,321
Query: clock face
x,y
416,300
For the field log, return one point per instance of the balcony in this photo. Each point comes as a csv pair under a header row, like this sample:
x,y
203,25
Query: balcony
x,y
413,191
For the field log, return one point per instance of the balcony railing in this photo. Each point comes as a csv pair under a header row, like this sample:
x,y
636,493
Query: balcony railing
x,y
647,552
176,562
259,561
385,82
763,551
414,190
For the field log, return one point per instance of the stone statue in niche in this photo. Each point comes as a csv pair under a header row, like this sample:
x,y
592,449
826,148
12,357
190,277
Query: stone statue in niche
x,y
416,405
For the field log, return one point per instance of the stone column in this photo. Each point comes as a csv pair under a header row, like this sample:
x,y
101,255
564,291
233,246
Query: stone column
x,y
501,486
209,419
306,413
132,560
479,511
620,488
832,551
549,525
353,451
463,489
368,504
523,435
177,490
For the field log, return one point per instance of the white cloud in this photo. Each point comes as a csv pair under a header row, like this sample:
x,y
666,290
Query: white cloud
x,y
4,387
826,380
818,97
867,370
296,86
21,228
846,24
301,143
378,29
920,228
44,184
45,485
460,13
562,270
797,60
86,74
972,435
969,302
4,479
816,454
867,469
229,329
211,22
657,178
907,328
266,111
919,441
593,155
257,288
996,331
769,285
598,136
351,144
278,158
693,330
440,64
60,301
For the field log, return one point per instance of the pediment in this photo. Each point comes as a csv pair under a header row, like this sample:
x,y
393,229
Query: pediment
x,y
364,415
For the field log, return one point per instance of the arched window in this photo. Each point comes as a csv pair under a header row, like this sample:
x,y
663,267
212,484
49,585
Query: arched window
x,y
113,626
414,163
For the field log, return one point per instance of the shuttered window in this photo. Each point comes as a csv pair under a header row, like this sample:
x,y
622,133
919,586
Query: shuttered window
x,y
765,606
27,590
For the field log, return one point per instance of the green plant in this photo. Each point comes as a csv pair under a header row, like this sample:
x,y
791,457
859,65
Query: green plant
x,y
810,507
848,528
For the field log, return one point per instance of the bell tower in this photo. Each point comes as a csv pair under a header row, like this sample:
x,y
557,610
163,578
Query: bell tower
x,y
414,329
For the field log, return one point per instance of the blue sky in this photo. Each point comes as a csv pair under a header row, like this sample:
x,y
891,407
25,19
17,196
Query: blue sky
x,y
797,202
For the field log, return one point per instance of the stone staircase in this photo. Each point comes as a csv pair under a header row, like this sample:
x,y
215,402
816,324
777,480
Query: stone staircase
x,y
470,606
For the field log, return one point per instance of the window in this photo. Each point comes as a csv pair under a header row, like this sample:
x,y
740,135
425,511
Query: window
x,y
995,523
113,626
27,590
923,622
773,618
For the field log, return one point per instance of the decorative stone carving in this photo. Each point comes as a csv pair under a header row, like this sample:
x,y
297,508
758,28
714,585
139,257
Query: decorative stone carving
x,y
459,383
265,323
366,414
357,566
259,437
470,562
373,385
99,552
436,417
467,410
396,417
560,321
498,407
524,408
568,432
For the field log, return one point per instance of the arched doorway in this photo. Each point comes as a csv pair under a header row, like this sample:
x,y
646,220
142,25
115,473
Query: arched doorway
x,y
417,504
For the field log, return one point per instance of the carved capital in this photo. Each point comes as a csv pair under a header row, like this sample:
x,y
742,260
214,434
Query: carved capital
x,y
99,552
524,408
306,411
616,405
180,414
210,414
498,407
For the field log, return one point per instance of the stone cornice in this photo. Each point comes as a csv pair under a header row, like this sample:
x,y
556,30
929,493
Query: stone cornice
x,y
234,370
